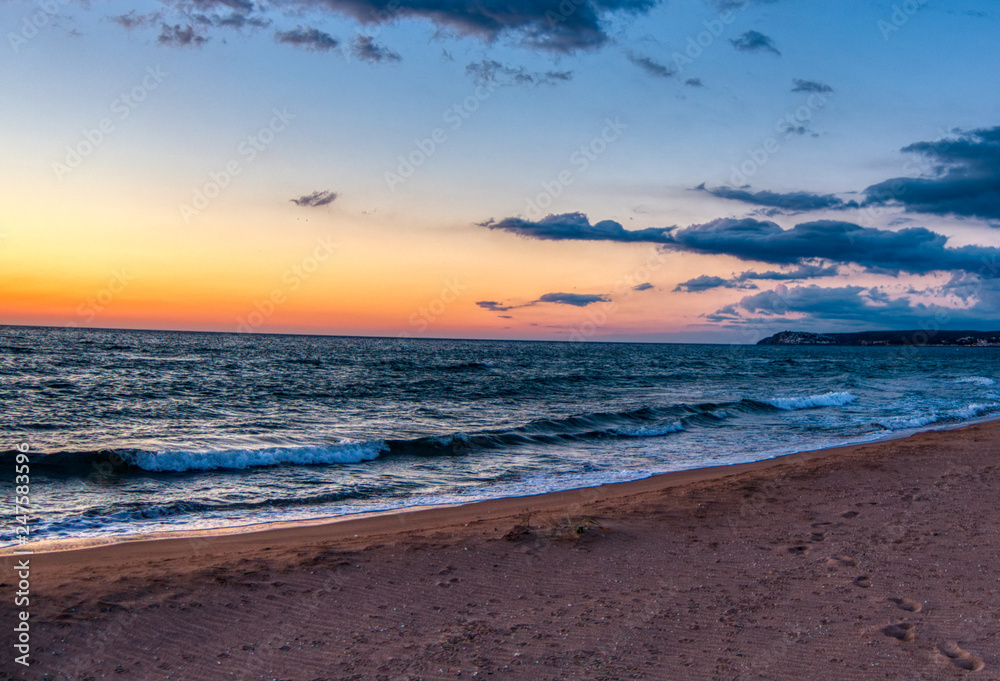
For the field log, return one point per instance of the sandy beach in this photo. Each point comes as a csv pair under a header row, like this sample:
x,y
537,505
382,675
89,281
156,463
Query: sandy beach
x,y
870,561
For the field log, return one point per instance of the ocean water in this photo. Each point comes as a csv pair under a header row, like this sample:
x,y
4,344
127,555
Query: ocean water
x,y
133,432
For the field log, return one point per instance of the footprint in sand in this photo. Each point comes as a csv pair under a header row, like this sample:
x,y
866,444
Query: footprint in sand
x,y
962,659
903,631
846,561
864,581
907,604
798,550
850,514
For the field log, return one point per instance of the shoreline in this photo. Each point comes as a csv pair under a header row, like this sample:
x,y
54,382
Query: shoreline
x,y
368,521
834,563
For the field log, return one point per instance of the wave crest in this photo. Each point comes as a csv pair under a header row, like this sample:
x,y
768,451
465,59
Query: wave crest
x,y
830,399
238,459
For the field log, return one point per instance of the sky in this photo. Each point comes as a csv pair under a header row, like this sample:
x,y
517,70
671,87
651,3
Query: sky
x,y
586,170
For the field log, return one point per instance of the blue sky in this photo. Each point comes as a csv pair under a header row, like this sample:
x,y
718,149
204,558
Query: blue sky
x,y
613,114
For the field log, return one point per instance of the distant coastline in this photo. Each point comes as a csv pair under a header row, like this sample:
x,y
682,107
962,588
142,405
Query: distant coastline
x,y
930,338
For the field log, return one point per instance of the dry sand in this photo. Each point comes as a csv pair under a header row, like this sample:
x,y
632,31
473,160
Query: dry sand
x,y
877,562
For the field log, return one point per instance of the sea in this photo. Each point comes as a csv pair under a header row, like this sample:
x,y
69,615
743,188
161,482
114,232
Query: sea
x,y
131,432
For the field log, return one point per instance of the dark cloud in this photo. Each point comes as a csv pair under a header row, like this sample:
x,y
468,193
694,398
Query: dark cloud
x,y
800,272
574,299
552,25
965,179
491,72
702,283
753,41
316,199
494,305
576,226
810,86
651,66
645,286
817,307
914,249
558,26
180,36
745,280
790,201
694,82
308,38
365,48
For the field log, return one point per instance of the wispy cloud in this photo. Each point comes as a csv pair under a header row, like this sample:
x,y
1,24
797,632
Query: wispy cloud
x,y
790,201
133,20
365,48
745,280
810,86
651,66
492,72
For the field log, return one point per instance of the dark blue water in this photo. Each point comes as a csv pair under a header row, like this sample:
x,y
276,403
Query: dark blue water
x,y
142,431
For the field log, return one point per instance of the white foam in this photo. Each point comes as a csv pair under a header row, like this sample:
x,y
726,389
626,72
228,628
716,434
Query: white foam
x,y
907,422
972,411
830,399
237,459
966,413
977,380
651,431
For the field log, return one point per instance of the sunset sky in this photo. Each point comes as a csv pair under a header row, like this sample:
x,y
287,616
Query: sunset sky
x,y
691,170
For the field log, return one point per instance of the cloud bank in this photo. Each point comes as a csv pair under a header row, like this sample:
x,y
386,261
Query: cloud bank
x,y
914,250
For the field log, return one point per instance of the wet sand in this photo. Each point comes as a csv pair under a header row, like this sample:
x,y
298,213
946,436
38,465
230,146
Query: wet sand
x,y
876,561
